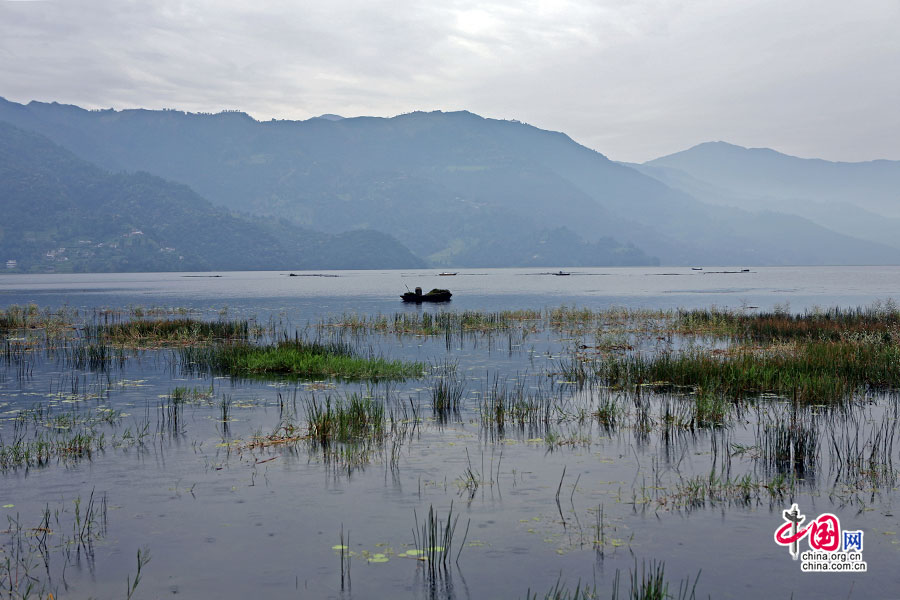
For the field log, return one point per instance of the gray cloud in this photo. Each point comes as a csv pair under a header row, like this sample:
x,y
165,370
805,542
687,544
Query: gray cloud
x,y
632,79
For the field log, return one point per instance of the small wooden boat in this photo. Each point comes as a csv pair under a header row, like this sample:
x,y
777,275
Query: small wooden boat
x,y
434,295
561,273
696,268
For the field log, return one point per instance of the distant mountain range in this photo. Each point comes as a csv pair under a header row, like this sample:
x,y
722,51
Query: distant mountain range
x,y
61,213
765,173
460,190
857,199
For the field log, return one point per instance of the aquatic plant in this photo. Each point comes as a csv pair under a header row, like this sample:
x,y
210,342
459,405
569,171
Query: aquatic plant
x,y
42,447
34,317
93,356
709,409
698,491
561,592
647,583
811,372
143,557
435,323
879,321
40,436
608,412
789,446
344,548
650,584
225,409
347,419
447,390
505,402
434,540
295,358
160,332
861,450
33,560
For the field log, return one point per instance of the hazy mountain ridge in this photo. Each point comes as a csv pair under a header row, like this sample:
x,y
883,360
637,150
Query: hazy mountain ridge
x,y
855,199
333,182
457,188
62,213
767,173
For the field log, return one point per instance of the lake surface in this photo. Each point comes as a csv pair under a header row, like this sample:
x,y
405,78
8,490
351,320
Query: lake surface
x,y
315,294
572,502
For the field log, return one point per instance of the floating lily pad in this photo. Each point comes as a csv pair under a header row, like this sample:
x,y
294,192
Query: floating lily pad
x,y
9,506
339,547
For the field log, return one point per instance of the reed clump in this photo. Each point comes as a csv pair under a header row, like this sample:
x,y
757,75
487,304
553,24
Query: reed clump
x,y
433,541
515,403
64,444
84,354
697,492
790,447
296,358
709,409
648,582
608,413
562,592
169,331
42,449
185,395
566,317
447,392
862,449
31,316
63,437
811,372
350,419
436,324
33,560
879,321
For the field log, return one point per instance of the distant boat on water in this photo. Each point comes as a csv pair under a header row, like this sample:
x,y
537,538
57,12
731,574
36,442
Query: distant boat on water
x,y
696,268
561,273
435,295
446,274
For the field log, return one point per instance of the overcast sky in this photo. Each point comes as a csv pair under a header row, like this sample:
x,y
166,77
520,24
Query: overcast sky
x,y
634,80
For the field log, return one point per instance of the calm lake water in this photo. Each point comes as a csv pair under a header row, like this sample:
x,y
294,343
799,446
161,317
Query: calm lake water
x,y
575,502
314,294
